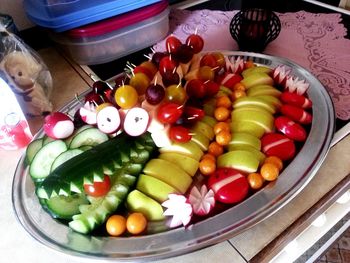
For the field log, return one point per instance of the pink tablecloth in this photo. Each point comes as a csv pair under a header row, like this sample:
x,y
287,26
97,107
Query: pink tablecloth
x,y
314,41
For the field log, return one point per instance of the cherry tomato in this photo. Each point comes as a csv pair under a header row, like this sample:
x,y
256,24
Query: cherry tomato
x,y
169,112
223,138
221,113
223,101
179,134
207,166
176,93
184,54
98,188
126,96
209,156
136,223
269,171
116,225
221,126
211,88
215,149
208,60
167,64
144,70
196,88
275,160
193,113
255,181
196,42
172,44
140,82
206,73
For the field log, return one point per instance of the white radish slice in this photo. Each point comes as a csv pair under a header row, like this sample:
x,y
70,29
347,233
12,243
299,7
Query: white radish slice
x,y
136,121
202,201
108,119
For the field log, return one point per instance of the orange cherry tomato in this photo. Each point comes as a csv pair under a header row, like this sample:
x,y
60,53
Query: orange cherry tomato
x,y
269,171
209,156
221,126
223,138
136,223
221,113
207,166
223,101
116,225
239,86
255,181
276,161
215,149
236,94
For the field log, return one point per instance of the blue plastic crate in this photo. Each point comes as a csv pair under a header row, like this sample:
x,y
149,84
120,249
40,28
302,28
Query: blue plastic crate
x,y
62,15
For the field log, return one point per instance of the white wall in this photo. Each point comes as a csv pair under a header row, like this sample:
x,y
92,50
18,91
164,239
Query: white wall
x,y
15,9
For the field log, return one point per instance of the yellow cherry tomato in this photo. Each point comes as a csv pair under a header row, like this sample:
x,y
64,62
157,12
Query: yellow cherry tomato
x,y
136,223
255,181
126,96
269,171
116,225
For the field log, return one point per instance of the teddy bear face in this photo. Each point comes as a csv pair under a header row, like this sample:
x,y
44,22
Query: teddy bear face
x,y
22,69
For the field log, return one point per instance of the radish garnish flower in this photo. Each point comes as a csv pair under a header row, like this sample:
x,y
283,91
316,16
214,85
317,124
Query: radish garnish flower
x,y
202,201
234,65
294,84
280,74
88,113
179,208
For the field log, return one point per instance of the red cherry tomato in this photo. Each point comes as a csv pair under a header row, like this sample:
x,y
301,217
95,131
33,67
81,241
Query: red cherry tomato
x,y
172,44
98,188
211,88
193,114
167,64
179,134
196,88
169,112
196,42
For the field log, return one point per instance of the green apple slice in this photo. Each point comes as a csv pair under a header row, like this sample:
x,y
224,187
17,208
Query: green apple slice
x,y
254,101
263,90
211,121
169,173
256,78
243,138
260,117
188,164
200,139
223,91
241,160
257,69
154,188
137,201
261,156
248,127
190,149
203,128
271,100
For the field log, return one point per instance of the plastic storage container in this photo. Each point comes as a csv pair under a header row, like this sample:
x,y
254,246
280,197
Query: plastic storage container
x,y
62,15
116,37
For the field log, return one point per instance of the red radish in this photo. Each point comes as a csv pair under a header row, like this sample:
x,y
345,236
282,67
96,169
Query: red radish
x,y
136,121
290,128
276,144
280,74
230,79
296,114
179,209
202,201
58,125
296,100
293,84
88,113
108,119
229,185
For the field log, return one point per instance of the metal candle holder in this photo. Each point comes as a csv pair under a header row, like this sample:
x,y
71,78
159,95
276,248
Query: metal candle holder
x,y
254,29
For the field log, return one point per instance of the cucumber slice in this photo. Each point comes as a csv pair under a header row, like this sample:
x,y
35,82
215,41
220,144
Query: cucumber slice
x,y
47,139
65,156
82,128
65,207
32,149
90,136
42,161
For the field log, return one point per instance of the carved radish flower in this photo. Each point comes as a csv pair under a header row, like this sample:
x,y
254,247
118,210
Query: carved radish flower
x,y
234,65
179,209
294,84
202,201
280,74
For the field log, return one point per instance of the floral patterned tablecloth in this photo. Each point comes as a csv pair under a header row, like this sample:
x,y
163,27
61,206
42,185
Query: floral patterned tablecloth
x,y
314,41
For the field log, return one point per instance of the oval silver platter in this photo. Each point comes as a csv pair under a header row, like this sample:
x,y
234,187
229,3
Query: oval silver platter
x,y
210,231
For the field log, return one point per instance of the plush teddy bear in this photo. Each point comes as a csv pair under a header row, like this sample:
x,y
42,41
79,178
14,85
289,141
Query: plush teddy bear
x,y
26,80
